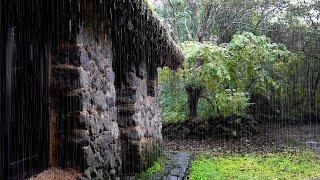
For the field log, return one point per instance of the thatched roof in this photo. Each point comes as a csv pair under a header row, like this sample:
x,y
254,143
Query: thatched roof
x,y
170,49
136,26
136,30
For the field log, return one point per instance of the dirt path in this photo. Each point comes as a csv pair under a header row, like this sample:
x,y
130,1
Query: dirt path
x,y
272,138
56,174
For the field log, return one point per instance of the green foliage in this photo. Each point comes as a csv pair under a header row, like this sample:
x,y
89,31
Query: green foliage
x,y
157,167
228,73
256,64
173,97
204,65
232,102
291,166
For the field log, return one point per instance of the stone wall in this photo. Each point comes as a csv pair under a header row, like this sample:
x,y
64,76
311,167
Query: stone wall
x,y
104,112
83,105
139,120
95,124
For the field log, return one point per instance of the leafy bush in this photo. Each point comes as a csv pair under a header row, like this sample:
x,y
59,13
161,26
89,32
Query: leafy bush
x,y
232,102
173,97
228,74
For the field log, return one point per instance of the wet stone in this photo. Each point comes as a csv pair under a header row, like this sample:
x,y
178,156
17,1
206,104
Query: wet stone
x,y
66,79
127,121
69,56
172,178
135,134
99,99
176,167
74,103
314,145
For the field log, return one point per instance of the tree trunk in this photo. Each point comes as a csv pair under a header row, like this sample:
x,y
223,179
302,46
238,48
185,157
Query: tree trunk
x,y
314,89
194,94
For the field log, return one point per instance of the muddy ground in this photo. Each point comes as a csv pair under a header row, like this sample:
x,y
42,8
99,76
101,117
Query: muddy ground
x,y
272,138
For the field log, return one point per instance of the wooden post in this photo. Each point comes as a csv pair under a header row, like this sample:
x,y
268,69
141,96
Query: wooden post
x,y
52,121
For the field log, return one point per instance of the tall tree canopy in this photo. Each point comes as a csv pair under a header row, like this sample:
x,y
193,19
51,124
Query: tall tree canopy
x,y
237,48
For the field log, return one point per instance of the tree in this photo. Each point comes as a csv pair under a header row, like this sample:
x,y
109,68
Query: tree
x,y
292,23
226,75
214,20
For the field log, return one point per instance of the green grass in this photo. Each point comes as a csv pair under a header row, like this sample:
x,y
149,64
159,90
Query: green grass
x,y
291,166
157,166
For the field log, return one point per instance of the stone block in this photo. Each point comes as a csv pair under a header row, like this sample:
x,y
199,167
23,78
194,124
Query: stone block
x,y
99,100
93,159
70,154
139,155
84,58
102,79
69,55
132,133
81,137
68,79
75,103
69,122
126,97
104,140
125,121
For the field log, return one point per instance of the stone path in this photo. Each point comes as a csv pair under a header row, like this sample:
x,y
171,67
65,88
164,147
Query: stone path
x,y
314,145
176,167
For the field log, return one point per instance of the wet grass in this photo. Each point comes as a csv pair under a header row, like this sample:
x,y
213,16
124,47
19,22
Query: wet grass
x,y
157,167
285,165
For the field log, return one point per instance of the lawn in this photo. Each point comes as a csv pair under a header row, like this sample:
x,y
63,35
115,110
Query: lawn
x,y
285,165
